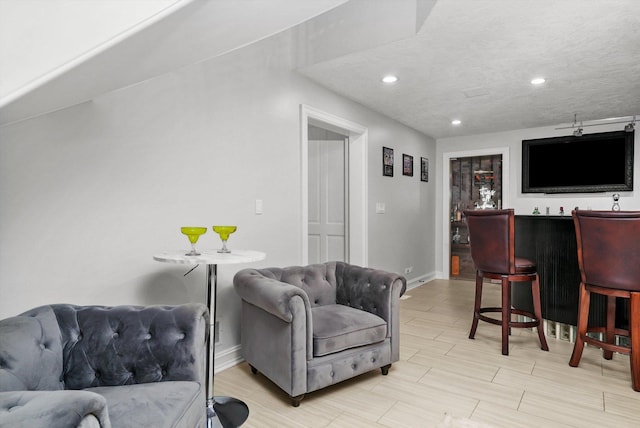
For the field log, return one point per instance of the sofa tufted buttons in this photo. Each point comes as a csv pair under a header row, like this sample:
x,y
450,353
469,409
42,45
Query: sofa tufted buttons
x,y
97,374
332,374
181,336
115,335
147,336
353,366
42,346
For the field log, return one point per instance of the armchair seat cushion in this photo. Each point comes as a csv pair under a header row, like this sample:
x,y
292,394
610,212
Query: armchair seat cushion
x,y
339,327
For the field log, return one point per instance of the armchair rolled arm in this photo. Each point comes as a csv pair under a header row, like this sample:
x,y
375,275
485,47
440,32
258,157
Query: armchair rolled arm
x,y
268,294
368,289
46,409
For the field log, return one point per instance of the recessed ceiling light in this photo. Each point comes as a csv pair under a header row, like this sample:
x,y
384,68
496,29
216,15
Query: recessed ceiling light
x,y
456,122
390,79
538,81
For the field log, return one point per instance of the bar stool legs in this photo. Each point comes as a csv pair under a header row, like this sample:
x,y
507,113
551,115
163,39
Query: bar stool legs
x,y
507,311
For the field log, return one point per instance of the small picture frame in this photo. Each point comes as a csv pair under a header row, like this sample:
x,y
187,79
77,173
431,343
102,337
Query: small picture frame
x,y
407,165
387,162
424,169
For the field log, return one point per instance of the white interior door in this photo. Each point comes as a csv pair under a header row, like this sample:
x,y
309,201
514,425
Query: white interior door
x,y
327,215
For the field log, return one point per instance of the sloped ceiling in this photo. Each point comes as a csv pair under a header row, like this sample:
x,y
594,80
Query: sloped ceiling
x,y
456,59
40,39
193,31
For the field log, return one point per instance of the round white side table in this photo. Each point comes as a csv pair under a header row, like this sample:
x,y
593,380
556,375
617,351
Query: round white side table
x,y
229,411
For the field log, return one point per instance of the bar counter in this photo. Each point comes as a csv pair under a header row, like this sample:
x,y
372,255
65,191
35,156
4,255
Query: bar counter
x,y
551,242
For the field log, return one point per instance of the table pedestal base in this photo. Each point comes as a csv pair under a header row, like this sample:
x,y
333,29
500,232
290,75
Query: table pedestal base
x,y
226,412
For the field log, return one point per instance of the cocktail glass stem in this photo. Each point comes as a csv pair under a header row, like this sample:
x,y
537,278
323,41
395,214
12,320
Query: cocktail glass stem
x,y
193,251
224,247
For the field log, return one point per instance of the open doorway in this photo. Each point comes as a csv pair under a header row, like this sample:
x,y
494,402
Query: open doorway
x,y
353,138
449,199
475,182
328,196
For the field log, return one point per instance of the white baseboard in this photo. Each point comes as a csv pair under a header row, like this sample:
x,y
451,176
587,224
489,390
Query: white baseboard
x,y
416,282
228,358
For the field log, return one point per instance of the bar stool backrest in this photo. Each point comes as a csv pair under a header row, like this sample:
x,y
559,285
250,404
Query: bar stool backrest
x,y
492,240
609,248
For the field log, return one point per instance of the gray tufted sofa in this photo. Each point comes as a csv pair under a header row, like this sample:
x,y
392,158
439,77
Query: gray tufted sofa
x,y
95,366
307,327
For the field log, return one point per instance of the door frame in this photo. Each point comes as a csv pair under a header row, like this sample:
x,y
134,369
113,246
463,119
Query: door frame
x,y
357,180
446,193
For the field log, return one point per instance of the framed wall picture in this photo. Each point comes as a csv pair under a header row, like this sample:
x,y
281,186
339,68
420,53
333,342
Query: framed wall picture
x,y
424,169
407,165
387,162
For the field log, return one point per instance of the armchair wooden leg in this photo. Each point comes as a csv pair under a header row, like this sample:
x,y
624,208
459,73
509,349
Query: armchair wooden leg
x,y
385,369
295,401
253,369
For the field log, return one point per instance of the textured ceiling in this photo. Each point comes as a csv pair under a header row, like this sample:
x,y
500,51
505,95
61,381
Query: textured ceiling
x,y
473,60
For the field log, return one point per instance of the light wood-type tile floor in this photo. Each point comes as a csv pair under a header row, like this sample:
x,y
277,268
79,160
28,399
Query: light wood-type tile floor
x,y
441,371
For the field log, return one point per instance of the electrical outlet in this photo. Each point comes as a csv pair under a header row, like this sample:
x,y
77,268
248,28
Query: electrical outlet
x,y
408,270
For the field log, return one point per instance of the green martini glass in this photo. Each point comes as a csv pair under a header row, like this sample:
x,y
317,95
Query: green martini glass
x,y
193,233
224,232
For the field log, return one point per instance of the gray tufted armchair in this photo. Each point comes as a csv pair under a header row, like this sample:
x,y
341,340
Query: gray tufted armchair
x,y
307,327
95,366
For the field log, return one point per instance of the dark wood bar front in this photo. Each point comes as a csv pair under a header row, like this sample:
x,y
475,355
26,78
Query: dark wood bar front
x,y
551,242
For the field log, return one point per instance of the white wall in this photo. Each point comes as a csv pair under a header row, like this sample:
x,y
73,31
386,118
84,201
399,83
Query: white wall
x,y
523,204
88,194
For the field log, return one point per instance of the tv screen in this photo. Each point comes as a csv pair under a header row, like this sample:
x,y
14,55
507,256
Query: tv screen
x,y
591,163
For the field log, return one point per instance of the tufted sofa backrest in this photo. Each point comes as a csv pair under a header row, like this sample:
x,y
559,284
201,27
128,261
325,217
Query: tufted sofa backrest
x,y
122,345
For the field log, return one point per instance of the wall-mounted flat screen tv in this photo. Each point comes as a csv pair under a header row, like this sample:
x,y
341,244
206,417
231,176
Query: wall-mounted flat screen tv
x,y
599,162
